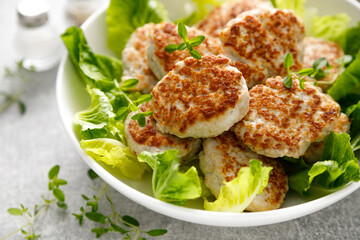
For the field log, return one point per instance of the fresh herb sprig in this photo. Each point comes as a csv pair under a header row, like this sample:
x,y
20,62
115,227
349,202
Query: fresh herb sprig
x,y
133,105
187,44
110,223
317,72
18,78
54,195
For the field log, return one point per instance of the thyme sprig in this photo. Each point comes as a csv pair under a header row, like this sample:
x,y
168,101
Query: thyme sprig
x,y
130,227
187,44
54,195
13,96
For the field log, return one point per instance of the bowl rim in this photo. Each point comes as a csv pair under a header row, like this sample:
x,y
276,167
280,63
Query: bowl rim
x,y
197,216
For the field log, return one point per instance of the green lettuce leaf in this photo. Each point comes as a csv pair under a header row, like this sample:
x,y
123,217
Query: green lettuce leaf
x,y
353,112
338,166
347,81
202,9
298,6
168,183
349,41
96,70
237,194
115,154
125,16
94,122
329,27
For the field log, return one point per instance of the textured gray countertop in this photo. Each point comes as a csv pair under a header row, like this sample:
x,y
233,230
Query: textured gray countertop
x,y
31,144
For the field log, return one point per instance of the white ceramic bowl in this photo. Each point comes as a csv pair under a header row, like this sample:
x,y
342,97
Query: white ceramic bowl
x,y
72,97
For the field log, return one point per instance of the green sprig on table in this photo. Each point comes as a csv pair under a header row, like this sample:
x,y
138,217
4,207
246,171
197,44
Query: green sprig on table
x,y
111,223
54,195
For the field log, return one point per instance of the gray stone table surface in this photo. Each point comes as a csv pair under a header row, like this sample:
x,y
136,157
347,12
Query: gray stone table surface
x,y
32,143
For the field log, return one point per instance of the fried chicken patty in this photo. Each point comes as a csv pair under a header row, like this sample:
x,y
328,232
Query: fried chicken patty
x,y
315,48
135,60
161,62
314,152
221,160
284,122
216,20
200,98
257,42
147,138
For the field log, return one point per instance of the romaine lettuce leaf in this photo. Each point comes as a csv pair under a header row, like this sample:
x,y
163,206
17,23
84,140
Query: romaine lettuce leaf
x,y
94,122
115,154
96,70
338,166
349,41
347,81
125,16
353,113
168,183
237,194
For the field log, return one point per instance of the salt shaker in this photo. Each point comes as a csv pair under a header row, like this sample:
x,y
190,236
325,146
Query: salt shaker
x,y
37,41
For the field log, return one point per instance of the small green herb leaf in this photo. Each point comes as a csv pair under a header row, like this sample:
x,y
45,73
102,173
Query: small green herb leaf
x,y
61,205
96,217
143,98
195,54
196,41
320,63
306,71
22,107
85,197
171,48
128,84
15,211
99,231
59,182
156,232
182,46
288,81
118,228
59,195
182,30
130,221
92,175
320,74
288,61
302,84
54,171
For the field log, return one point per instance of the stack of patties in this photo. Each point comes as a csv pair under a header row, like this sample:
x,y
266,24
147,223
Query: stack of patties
x,y
208,100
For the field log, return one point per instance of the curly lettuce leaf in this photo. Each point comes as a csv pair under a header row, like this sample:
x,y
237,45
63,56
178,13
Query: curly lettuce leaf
x,y
237,194
125,16
115,154
347,81
94,121
202,9
168,183
96,70
353,112
338,166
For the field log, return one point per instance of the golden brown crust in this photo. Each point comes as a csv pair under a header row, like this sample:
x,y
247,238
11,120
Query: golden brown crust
x,y
315,48
166,33
221,15
198,91
283,122
258,41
